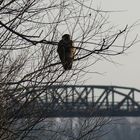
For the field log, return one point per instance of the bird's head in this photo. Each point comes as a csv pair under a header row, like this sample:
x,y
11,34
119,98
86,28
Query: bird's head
x,y
66,37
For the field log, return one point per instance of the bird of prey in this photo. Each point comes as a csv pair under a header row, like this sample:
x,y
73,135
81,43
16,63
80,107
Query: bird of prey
x,y
66,51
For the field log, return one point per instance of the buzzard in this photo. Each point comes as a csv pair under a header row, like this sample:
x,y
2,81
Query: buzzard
x,y
66,51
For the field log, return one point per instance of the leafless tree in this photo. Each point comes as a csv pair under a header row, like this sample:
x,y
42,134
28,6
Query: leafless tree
x,y
29,33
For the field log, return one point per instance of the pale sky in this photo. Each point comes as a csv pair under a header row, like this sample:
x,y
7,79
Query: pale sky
x,y
127,72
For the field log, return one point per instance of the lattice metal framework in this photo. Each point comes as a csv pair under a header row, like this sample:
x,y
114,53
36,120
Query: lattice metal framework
x,y
85,101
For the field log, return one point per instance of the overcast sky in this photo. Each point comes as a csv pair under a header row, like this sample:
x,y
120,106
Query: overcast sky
x,y
127,72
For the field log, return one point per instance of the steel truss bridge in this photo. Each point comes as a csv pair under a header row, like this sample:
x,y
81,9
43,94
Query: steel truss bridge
x,y
86,101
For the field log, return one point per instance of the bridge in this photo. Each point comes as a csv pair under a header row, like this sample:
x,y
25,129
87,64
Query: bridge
x,y
83,101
